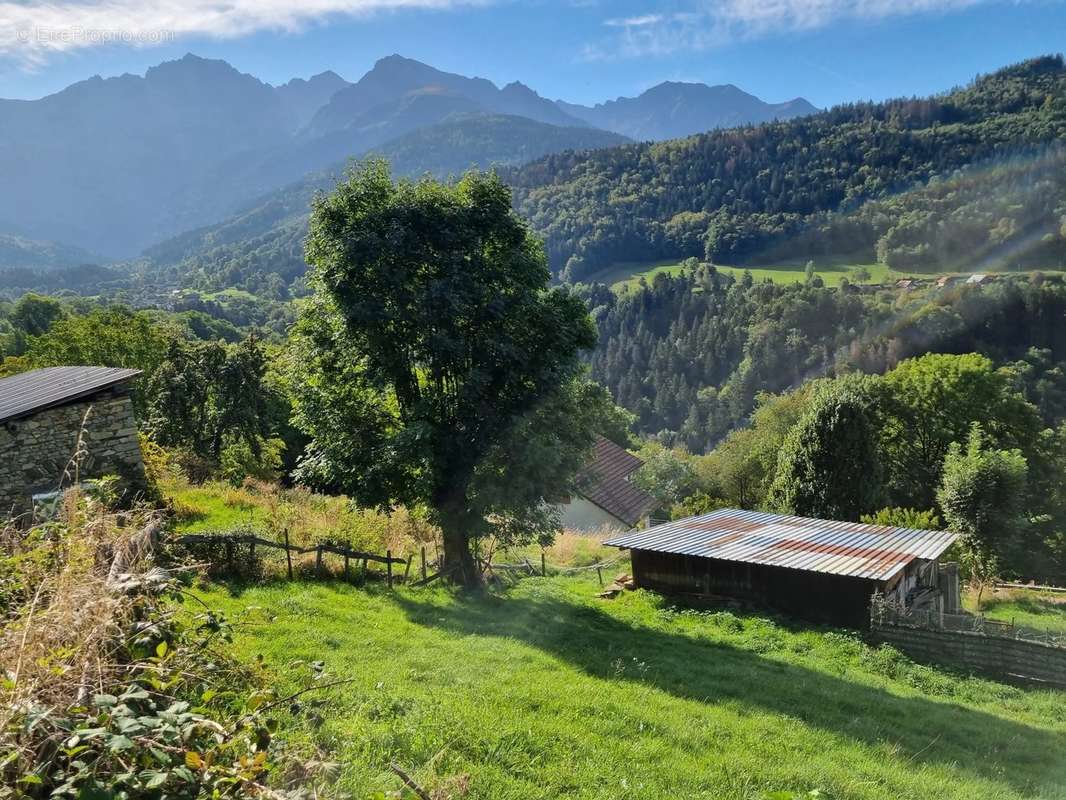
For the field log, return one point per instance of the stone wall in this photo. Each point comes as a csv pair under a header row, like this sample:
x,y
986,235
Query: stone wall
x,y
35,450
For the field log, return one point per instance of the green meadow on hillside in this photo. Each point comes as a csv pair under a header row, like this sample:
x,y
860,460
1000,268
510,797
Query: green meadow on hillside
x,y
1030,608
545,691
626,276
623,277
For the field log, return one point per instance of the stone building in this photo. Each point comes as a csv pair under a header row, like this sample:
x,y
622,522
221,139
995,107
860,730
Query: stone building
x,y
42,414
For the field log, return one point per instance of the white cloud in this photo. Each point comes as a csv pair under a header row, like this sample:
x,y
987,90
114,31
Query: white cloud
x,y
708,23
764,15
634,22
32,31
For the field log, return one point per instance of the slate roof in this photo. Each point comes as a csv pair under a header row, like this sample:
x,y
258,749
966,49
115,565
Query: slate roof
x,y
604,483
30,392
875,552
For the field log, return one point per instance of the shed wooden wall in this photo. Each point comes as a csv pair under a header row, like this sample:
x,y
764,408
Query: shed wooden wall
x,y
814,596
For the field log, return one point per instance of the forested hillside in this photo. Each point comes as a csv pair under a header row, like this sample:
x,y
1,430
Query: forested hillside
x,y
690,354
798,187
969,180
261,249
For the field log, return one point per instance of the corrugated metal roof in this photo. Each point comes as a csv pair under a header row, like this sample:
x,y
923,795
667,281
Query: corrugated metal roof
x,y
604,482
35,391
876,552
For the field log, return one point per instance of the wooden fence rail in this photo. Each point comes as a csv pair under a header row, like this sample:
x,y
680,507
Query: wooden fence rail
x,y
250,539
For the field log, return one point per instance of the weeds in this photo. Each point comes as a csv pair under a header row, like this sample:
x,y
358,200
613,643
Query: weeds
x,y
110,688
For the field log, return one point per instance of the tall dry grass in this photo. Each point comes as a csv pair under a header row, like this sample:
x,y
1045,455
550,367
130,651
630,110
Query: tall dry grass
x,y
62,614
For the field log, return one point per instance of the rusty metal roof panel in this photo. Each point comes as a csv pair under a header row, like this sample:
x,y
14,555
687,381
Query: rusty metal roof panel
x,y
29,392
874,552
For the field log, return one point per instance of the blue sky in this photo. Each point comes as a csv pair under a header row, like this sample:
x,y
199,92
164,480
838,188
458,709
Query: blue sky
x,y
579,50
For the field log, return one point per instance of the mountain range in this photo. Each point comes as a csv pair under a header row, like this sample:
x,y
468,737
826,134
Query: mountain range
x,y
956,181
114,165
673,110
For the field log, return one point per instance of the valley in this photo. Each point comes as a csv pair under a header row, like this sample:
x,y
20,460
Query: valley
x,y
423,436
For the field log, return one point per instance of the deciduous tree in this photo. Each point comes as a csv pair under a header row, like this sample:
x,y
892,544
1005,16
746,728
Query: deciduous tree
x,y
434,367
830,465
981,494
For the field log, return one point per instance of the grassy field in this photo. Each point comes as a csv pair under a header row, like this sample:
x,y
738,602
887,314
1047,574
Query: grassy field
x,y
1043,611
548,692
624,276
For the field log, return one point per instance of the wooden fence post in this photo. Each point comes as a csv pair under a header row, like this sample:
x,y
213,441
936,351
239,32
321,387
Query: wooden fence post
x,y
407,568
423,562
288,554
543,566
599,574
345,565
318,561
388,567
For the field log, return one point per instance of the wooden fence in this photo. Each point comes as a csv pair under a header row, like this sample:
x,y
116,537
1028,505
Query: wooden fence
x,y
230,543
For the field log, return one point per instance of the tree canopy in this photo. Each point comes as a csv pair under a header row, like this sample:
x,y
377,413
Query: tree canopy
x,y
433,357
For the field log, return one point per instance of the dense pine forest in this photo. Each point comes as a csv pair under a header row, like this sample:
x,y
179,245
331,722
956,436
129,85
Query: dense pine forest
x,y
797,188
690,354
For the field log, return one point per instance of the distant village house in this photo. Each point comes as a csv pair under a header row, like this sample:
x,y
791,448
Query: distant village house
x,y
607,499
42,415
808,568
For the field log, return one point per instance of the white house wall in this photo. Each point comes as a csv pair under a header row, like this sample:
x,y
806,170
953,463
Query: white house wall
x,y
581,515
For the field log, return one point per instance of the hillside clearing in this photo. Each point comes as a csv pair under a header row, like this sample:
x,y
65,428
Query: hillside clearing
x,y
623,277
548,692
1030,608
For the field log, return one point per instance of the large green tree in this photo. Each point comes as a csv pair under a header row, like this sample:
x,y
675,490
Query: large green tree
x,y
830,466
433,366
933,401
982,493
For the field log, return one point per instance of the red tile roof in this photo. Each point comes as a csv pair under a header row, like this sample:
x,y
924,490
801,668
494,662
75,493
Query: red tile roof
x,y
604,483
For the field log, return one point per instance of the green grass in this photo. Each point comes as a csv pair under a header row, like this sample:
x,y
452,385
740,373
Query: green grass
x,y
625,276
213,507
1042,611
548,692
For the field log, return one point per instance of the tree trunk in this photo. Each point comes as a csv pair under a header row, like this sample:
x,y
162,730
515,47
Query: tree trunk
x,y
456,530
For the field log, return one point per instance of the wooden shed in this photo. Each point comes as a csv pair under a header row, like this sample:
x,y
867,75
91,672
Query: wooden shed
x,y
812,569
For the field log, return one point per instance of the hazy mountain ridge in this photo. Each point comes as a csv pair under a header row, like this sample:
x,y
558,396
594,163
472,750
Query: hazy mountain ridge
x,y
268,236
113,165
395,78
304,98
19,252
672,110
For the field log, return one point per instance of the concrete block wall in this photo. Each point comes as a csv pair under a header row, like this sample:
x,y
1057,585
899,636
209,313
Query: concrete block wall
x,y
35,450
996,656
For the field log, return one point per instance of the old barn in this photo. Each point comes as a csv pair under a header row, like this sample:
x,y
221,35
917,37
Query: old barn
x,y
808,568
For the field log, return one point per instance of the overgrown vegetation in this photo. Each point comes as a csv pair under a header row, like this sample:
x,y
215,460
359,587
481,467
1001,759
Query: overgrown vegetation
x,y
109,689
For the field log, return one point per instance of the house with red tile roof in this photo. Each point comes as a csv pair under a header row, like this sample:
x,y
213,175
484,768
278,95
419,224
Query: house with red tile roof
x,y
606,498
